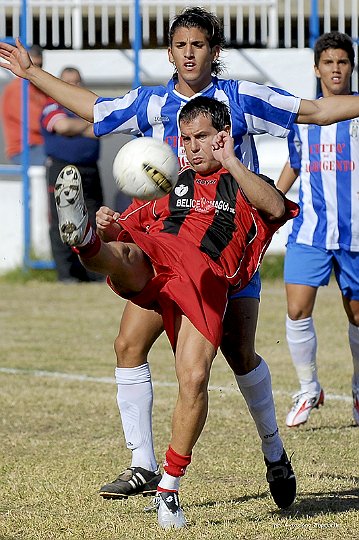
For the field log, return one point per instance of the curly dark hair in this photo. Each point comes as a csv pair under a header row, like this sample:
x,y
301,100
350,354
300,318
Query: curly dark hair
x,y
333,40
196,17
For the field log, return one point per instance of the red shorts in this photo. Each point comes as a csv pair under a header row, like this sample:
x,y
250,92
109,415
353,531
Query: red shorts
x,y
187,281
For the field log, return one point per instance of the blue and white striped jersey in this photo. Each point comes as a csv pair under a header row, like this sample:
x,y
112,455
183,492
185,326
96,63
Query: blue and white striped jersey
x,y
150,111
328,160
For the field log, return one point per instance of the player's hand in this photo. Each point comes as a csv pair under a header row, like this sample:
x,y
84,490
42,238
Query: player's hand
x,y
15,58
223,148
107,228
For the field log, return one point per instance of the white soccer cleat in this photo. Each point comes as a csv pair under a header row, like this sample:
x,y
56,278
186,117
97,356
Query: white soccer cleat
x,y
356,405
169,512
304,403
70,205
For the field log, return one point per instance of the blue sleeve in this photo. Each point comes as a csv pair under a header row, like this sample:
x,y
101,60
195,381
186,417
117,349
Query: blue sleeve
x,y
295,148
118,115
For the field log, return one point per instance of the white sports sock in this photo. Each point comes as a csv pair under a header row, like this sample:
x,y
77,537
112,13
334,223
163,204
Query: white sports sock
x,y
354,347
302,343
256,388
134,400
169,482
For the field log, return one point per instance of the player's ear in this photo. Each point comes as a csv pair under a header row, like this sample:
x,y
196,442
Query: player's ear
x,y
170,55
317,72
227,128
216,52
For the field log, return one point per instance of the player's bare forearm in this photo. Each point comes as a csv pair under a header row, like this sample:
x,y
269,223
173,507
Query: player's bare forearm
x,y
287,178
17,60
259,193
328,110
71,126
77,99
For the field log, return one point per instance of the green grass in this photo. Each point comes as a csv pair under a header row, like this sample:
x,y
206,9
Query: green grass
x,y
61,437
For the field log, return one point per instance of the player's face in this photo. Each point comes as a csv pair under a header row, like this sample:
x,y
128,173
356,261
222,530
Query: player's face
x,y
197,137
334,71
191,53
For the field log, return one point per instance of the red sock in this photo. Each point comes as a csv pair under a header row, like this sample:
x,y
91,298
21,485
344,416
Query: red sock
x,y
176,464
92,247
165,490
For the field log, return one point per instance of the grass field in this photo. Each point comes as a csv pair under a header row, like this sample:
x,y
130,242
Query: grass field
x,y
61,438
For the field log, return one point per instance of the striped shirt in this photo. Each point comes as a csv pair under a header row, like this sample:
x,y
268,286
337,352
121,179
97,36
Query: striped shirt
x,y
212,213
328,160
152,111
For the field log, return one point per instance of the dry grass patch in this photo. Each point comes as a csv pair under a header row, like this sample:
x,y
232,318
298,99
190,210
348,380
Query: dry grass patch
x,y
61,437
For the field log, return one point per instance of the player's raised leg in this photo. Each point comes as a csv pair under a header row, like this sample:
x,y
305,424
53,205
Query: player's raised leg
x,y
125,264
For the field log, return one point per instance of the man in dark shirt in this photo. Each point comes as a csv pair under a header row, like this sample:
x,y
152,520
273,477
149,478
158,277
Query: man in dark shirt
x,y
70,139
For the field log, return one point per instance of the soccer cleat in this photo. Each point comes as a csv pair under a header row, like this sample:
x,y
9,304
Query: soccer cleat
x,y
356,405
169,511
70,204
132,481
282,482
303,405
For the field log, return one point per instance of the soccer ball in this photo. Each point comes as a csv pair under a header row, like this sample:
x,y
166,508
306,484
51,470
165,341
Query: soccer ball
x,y
146,168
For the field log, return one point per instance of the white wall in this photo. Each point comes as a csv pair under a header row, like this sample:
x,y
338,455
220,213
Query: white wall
x,y
12,219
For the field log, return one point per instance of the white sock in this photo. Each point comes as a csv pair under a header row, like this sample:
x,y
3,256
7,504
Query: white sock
x,y
302,343
134,400
170,483
354,347
256,387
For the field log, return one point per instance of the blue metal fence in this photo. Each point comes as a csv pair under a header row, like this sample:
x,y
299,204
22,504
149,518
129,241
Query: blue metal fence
x,y
23,169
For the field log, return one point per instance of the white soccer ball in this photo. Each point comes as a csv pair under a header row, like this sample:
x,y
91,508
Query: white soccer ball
x,y
146,168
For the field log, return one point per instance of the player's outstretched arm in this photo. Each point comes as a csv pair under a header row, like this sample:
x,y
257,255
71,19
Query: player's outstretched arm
x,y
259,193
17,60
328,110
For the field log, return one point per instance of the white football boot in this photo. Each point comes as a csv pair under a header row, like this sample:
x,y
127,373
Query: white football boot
x,y
169,511
304,403
70,205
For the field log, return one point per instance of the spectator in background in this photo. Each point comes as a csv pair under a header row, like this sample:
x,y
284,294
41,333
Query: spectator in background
x,y
12,117
70,140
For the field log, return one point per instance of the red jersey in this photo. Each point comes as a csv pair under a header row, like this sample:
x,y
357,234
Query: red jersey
x,y
11,112
212,213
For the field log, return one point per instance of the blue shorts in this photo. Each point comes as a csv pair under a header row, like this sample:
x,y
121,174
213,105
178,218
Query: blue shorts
x,y
308,265
252,290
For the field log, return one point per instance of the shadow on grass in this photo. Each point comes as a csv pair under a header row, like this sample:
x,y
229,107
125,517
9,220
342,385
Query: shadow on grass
x,y
306,505
314,504
217,502
330,429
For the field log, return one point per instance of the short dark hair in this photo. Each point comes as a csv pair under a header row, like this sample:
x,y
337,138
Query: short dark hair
x,y
334,40
216,110
196,17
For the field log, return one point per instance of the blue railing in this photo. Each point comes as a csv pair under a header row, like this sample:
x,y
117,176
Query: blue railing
x,y
23,169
